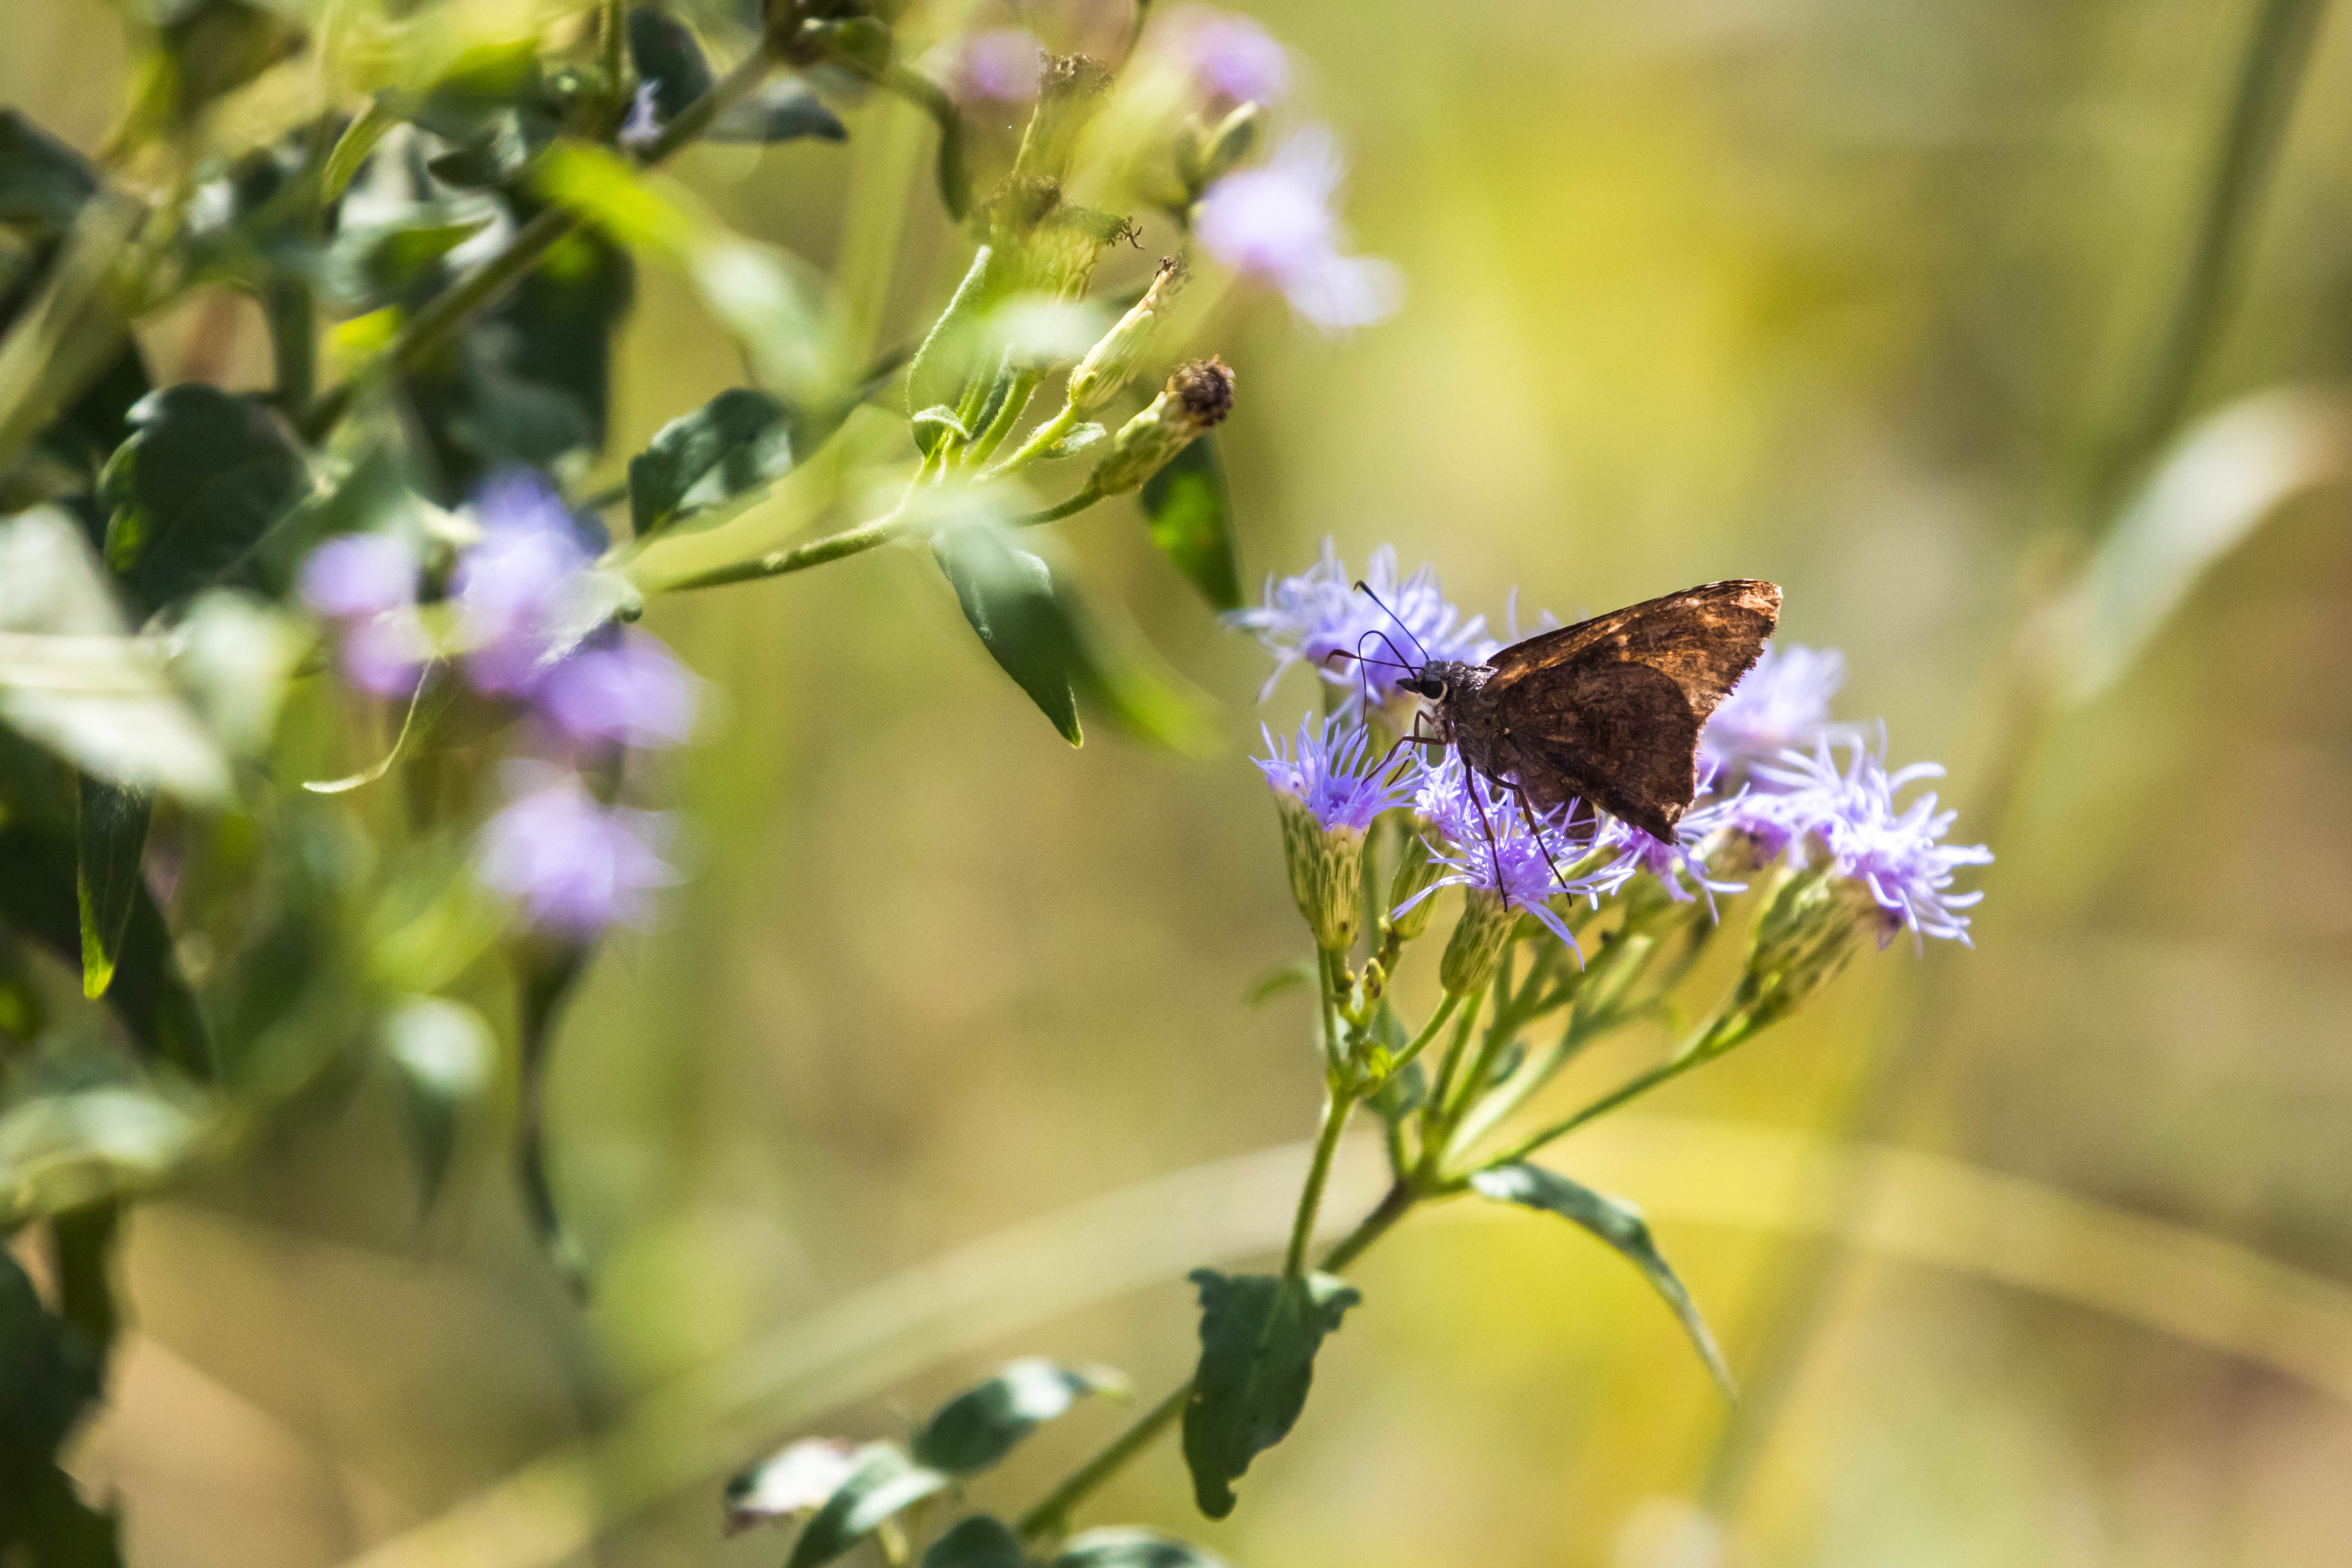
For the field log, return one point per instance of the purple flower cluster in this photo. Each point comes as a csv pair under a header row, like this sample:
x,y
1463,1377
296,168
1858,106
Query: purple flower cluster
x,y
1331,772
1893,853
1273,223
1230,58
576,865
1318,614
1763,798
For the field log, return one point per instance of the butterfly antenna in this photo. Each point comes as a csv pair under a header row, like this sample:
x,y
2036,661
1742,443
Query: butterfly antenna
x,y
1365,589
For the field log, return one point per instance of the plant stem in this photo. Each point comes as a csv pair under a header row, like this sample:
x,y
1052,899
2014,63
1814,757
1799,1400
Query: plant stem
x,y
1008,413
1331,982
448,311
1336,1108
849,541
1052,1515
1428,1032
1401,1196
1044,435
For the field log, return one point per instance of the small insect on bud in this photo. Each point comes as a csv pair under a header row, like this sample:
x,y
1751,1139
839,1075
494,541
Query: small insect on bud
x,y
1109,364
1196,399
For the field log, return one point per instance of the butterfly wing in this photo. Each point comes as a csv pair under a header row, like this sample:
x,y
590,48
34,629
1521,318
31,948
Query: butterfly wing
x,y
1609,710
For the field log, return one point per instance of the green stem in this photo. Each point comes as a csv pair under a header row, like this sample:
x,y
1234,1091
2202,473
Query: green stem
x,y
1029,451
849,541
447,312
1717,1036
1428,1031
1017,393
1336,1108
1051,1517
616,43
1401,1196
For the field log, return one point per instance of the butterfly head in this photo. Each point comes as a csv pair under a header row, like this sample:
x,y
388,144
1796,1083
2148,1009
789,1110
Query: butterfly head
x,y
1438,681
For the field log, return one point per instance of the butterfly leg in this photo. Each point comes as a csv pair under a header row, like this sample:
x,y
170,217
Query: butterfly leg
x,y
1528,813
1493,847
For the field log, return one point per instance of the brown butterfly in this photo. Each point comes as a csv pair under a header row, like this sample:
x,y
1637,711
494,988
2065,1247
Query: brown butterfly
x,y
1608,711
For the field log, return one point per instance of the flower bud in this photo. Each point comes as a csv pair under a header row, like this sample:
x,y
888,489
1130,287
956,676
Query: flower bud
x,y
1327,873
1802,939
1416,870
1072,90
1477,941
1109,364
1212,152
1197,397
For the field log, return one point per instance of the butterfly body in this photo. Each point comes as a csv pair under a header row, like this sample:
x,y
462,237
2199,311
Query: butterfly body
x,y
1607,710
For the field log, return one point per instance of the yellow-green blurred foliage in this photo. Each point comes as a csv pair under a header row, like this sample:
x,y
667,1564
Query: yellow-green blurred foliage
x,y
1842,293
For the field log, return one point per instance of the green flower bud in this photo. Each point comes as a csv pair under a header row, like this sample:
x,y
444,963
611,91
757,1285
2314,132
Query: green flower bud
x,y
1802,939
1211,151
1415,870
1196,398
1477,941
1109,364
1068,98
1327,873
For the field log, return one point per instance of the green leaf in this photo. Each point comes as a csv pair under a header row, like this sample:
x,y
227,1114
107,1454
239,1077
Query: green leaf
x,y
1007,594
203,477
1259,1335
49,1375
981,1425
82,1243
378,264
1298,973
43,182
1129,1547
935,377
737,441
978,1542
935,425
1191,516
547,976
862,42
783,110
1080,438
667,55
444,1055
60,1152
1618,1224
112,839
794,1481
72,682
885,1482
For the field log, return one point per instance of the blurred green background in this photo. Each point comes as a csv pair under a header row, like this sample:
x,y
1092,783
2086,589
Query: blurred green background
x,y
1853,296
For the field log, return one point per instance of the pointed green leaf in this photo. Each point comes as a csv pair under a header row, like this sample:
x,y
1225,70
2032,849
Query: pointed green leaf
x,y
1291,976
668,59
1007,594
203,477
112,838
1618,1224
737,442
1080,438
1192,515
935,425
547,976
444,1055
1129,1547
82,1241
885,1482
979,1426
43,182
978,1542
935,377
795,1479
783,110
1259,1335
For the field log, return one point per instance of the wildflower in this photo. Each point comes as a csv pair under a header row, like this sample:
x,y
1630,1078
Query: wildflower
x,y
643,128
578,867
1196,399
1002,66
629,689
794,1481
1893,855
366,583
1318,614
1273,223
1233,58
509,586
1328,797
1782,703
1506,868
1680,866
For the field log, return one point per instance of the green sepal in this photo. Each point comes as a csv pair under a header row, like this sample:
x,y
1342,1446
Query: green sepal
x,y
1618,1224
980,1427
1259,1335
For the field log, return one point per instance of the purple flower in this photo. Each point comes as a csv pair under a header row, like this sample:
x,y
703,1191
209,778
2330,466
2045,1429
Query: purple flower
x,y
643,128
631,691
366,583
359,575
1273,223
1234,58
1329,773
1489,845
1680,866
1894,854
510,585
577,866
1782,703
1318,613
1004,66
